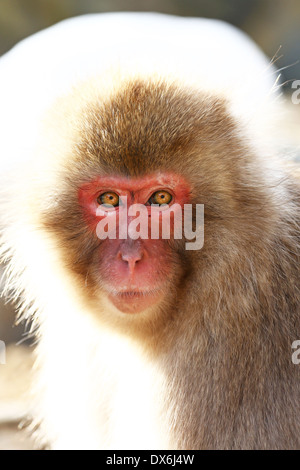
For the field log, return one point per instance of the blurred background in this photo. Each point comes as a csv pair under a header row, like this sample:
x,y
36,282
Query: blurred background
x,y
271,23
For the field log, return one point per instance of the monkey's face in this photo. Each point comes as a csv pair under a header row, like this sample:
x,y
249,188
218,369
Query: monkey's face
x,y
136,263
148,144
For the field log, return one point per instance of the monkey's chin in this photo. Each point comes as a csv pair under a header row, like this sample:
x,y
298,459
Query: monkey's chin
x,y
135,301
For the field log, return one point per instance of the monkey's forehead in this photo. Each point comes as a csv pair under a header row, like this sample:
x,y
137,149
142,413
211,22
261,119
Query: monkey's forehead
x,y
145,125
141,125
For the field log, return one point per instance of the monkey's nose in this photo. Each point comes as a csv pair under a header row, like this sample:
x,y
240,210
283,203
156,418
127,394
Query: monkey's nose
x,y
131,255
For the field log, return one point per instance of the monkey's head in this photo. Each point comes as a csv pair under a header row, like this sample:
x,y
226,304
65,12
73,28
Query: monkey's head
x,y
147,143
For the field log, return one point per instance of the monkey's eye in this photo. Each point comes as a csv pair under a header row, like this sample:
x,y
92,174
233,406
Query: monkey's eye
x,y
160,197
108,199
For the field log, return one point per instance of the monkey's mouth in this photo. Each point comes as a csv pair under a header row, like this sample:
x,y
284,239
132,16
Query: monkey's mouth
x,y
134,301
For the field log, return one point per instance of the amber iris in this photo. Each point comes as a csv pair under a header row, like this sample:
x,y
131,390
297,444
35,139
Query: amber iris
x,y
109,199
160,197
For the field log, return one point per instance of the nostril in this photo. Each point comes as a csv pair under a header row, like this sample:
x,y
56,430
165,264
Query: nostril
x,y
131,257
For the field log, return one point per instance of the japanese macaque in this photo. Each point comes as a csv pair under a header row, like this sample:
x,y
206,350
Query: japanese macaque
x,y
142,343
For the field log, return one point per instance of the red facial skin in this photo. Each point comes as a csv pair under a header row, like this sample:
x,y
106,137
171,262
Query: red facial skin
x,y
134,273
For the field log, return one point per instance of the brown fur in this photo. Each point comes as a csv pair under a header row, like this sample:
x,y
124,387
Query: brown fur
x,y
223,343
